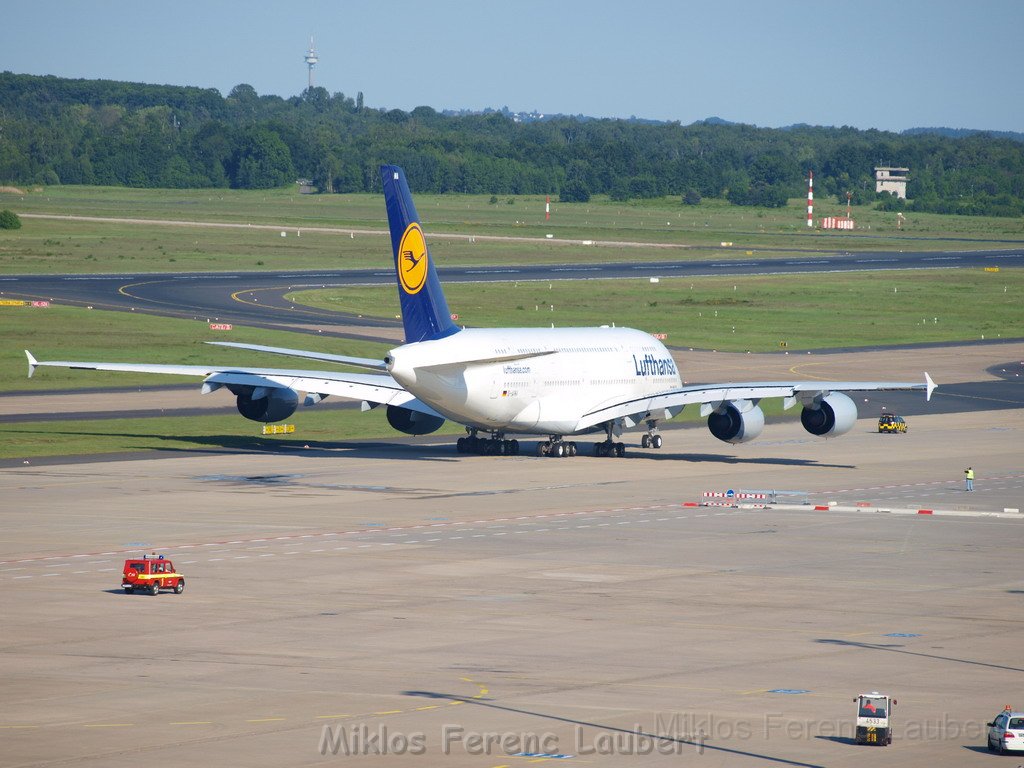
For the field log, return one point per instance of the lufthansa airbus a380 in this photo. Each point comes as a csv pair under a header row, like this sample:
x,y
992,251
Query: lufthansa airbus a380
x,y
502,382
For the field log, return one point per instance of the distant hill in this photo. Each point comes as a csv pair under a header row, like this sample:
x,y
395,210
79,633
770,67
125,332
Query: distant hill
x,y
960,133
543,117
534,116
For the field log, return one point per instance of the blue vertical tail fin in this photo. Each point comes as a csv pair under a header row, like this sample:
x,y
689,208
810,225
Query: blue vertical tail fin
x,y
425,313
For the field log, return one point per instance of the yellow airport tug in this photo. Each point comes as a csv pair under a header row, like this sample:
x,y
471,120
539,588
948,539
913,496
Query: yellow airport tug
x,y
873,718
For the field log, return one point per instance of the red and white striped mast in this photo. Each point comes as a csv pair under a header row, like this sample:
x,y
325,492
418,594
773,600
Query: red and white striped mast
x,y
810,199
547,209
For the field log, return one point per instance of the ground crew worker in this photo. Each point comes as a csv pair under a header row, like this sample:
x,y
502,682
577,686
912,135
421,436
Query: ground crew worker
x,y
969,478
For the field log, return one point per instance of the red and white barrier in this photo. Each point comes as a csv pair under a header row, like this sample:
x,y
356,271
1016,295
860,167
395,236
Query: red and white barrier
x,y
836,222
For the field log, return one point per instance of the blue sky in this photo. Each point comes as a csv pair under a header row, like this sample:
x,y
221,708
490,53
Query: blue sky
x,y
887,64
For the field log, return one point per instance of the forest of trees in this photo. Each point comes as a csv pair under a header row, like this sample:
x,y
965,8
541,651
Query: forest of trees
x,y
62,131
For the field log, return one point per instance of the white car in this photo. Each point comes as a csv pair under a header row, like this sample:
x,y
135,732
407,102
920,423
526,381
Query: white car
x,y
1006,732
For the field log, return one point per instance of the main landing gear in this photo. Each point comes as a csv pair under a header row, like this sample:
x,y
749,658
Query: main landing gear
x,y
494,446
609,447
651,439
557,447
497,445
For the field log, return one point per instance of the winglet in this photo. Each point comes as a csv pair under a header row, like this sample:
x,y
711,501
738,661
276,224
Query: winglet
x,y
929,386
32,363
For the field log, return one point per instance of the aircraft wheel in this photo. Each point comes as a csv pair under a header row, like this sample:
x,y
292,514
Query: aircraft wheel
x,y
620,449
645,441
572,449
559,450
542,448
656,441
460,445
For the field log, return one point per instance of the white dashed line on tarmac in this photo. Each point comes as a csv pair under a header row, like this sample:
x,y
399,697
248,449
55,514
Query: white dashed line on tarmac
x,y
525,524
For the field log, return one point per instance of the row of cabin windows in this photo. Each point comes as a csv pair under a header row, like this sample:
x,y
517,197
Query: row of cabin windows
x,y
537,351
572,383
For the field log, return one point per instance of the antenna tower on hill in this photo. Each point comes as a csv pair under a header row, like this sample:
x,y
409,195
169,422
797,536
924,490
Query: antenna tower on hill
x,y
311,60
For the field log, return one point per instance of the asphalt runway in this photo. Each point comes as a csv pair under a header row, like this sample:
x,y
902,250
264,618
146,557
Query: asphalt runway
x,y
256,298
487,611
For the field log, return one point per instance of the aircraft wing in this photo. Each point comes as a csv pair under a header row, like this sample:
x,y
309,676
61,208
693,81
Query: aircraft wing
x,y
378,388
669,403
358,362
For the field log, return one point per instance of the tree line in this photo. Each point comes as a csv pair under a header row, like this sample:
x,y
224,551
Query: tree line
x,y
63,131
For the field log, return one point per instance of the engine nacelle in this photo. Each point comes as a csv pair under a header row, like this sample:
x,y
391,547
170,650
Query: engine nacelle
x,y
268,405
834,415
733,426
413,422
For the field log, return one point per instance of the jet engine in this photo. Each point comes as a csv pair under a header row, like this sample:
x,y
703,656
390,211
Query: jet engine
x,y
413,422
266,404
733,425
831,416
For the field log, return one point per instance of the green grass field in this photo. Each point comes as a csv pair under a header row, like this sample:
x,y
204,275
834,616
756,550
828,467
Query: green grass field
x,y
753,313
47,245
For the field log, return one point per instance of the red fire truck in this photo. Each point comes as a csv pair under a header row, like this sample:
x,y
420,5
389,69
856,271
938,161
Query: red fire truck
x,y
151,573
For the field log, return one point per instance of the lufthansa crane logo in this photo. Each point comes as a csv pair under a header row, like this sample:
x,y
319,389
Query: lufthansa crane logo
x,y
412,260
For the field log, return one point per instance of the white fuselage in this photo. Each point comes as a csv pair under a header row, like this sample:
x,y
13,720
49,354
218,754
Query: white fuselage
x,y
586,369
